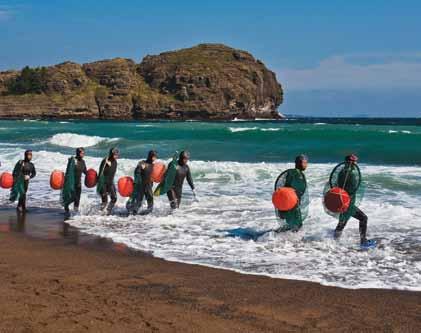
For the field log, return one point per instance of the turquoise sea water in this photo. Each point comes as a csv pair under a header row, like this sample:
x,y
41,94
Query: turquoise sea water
x,y
234,166
381,144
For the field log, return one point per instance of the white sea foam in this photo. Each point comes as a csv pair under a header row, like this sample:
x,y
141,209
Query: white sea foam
x,y
270,129
37,121
403,132
77,140
246,129
242,129
236,195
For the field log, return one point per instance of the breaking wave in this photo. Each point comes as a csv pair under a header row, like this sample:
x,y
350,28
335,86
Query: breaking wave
x,y
77,140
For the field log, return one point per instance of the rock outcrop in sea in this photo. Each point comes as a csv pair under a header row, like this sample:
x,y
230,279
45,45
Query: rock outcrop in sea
x,y
205,82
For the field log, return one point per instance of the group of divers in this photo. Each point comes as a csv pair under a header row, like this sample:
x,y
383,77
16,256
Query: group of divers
x,y
106,189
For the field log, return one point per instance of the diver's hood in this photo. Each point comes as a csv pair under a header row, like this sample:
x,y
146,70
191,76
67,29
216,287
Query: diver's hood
x,y
299,160
183,155
151,155
27,153
112,152
351,158
79,151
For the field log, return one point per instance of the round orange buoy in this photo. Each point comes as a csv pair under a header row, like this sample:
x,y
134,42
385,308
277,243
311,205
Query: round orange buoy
x,y
57,180
285,198
158,172
337,200
91,178
125,186
6,180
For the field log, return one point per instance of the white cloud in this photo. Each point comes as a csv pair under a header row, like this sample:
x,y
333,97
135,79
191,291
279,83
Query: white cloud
x,y
358,71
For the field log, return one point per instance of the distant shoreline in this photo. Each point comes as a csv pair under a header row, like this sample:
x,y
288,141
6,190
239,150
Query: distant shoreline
x,y
405,121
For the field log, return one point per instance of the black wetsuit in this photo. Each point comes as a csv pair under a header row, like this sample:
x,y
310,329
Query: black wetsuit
x,y
361,217
80,168
144,170
174,195
26,168
109,188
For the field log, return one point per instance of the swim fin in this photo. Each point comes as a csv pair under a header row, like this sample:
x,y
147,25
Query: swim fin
x,y
368,244
246,233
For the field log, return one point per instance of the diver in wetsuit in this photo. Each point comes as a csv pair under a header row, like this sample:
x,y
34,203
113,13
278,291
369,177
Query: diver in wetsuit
x,y
73,180
296,179
348,180
143,185
24,171
105,186
183,172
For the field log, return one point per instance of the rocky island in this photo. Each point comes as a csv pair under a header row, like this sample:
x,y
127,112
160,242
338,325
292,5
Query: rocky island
x,y
205,82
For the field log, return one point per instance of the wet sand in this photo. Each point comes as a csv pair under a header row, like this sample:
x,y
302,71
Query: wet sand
x,y
55,279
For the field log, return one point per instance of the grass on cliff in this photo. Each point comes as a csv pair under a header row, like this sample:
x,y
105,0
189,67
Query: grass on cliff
x,y
86,94
145,94
214,56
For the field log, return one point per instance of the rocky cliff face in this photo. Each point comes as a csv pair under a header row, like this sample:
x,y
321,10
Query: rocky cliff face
x,y
208,82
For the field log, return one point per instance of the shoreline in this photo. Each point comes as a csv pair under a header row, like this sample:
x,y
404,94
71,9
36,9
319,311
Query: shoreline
x,y
210,120
285,119
56,278
140,120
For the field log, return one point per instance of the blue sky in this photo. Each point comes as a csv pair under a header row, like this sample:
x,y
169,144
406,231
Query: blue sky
x,y
324,52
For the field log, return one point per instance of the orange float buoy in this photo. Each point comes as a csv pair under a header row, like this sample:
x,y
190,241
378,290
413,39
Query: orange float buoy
x,y
285,199
337,200
158,172
6,180
91,178
125,186
57,180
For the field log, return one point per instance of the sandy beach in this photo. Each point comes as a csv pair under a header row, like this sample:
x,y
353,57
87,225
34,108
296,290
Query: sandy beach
x,y
55,279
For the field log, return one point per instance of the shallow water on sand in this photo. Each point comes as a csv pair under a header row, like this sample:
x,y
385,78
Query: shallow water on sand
x,y
49,224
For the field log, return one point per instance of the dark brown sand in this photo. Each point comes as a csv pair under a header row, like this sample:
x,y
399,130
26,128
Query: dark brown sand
x,y
54,279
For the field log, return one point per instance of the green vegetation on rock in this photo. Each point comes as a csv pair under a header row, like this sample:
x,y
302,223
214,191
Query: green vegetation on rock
x,y
29,81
